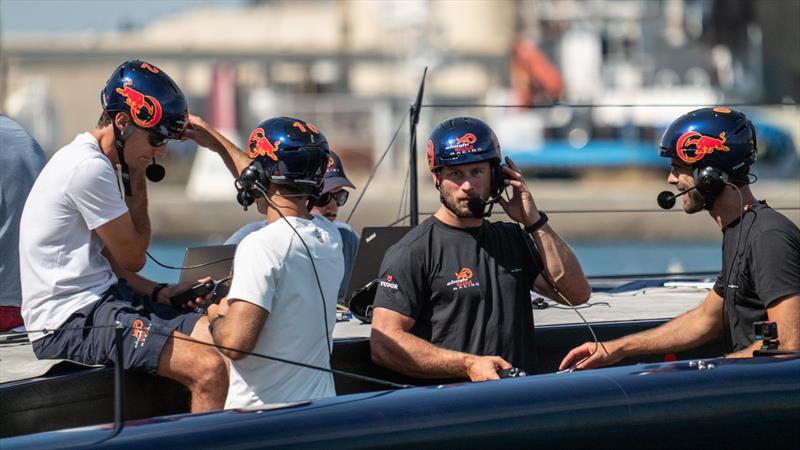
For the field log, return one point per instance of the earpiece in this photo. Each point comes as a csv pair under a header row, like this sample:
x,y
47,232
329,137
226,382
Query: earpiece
x,y
710,180
498,180
251,177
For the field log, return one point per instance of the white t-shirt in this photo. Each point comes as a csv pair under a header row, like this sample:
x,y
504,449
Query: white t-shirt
x,y
272,270
61,268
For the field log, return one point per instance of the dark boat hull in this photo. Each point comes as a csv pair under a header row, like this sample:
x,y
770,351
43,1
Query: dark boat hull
x,y
716,404
734,404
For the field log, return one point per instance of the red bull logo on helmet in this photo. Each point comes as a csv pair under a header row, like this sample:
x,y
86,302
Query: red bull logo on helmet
x,y
259,145
145,109
693,146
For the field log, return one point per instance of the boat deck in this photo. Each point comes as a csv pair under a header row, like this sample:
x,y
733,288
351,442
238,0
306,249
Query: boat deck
x,y
610,302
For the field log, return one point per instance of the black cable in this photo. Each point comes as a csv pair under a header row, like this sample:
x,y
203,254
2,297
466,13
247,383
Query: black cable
x,y
587,305
263,192
295,363
401,206
399,219
196,266
599,105
375,169
258,355
728,340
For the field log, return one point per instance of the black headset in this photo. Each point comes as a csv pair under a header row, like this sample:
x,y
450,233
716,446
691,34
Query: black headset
x,y
253,178
246,184
710,180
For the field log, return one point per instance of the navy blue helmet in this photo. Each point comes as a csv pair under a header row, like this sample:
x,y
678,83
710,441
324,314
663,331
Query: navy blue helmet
x,y
712,137
462,140
290,151
154,102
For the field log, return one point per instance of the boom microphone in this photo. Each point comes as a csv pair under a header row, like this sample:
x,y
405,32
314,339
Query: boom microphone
x,y
155,172
666,199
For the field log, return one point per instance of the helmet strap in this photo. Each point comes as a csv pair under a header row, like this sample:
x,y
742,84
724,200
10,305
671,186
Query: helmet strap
x,y
119,144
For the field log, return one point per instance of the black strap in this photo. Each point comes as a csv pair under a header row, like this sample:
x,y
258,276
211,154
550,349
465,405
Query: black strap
x,y
539,223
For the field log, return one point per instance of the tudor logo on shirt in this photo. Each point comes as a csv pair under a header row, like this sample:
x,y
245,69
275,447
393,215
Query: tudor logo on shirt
x,y
389,283
463,280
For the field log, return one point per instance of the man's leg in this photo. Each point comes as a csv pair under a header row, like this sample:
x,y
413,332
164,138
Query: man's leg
x,y
199,367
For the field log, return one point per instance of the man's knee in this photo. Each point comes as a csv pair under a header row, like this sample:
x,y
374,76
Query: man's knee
x,y
210,371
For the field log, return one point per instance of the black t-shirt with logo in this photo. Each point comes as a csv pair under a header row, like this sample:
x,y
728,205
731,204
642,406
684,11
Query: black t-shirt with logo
x,y
766,269
468,289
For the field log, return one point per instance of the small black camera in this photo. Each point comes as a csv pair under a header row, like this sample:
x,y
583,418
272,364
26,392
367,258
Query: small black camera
x,y
765,330
768,333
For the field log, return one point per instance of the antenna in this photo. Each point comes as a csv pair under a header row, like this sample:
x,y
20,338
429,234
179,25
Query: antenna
x,y
413,116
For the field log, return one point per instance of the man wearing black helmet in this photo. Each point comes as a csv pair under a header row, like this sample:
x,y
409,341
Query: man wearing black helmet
x,y
282,300
711,150
327,205
84,233
454,294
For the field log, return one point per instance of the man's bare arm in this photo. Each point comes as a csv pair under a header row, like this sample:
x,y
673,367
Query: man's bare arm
x,y
207,136
561,267
786,314
686,331
128,236
394,347
236,324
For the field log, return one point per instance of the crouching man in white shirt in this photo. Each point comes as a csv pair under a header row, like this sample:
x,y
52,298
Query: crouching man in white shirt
x,y
81,242
282,302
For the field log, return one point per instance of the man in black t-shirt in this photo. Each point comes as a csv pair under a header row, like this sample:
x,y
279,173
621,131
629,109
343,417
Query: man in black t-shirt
x,y
453,299
711,151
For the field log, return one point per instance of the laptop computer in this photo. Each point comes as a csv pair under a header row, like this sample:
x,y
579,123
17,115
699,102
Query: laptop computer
x,y
373,245
221,257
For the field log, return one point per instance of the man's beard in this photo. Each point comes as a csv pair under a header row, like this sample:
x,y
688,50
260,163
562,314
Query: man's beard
x,y
474,209
693,202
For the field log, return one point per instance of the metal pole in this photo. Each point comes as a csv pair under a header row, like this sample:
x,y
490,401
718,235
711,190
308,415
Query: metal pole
x,y
413,120
119,381
412,170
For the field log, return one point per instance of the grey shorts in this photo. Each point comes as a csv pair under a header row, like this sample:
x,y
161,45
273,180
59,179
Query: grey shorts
x,y
147,326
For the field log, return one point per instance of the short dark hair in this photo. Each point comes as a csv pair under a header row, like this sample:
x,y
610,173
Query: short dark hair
x,y
104,120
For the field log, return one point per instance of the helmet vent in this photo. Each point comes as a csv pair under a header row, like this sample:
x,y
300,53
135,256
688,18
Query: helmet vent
x,y
740,129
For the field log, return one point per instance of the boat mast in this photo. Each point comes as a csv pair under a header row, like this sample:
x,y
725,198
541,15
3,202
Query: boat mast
x,y
413,116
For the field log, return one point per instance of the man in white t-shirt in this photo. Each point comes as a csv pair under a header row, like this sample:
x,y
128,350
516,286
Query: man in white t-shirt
x,y
82,242
327,205
282,302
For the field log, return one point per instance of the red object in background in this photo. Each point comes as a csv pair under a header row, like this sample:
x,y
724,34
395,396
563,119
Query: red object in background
x,y
670,357
9,318
533,77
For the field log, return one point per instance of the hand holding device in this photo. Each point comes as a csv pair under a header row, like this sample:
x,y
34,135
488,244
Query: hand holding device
x,y
199,290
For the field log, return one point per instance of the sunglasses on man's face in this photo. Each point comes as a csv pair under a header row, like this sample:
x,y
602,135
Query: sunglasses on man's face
x,y
339,197
157,140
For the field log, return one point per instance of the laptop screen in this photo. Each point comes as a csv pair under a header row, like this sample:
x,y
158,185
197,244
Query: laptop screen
x,y
220,255
373,245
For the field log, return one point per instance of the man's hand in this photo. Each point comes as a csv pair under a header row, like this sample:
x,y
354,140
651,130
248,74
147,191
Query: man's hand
x,y
206,136
482,368
174,289
591,355
521,208
202,133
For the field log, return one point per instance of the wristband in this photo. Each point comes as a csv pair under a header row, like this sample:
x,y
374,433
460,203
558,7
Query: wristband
x,y
156,290
538,224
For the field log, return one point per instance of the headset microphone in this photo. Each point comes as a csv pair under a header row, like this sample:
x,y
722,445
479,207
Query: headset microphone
x,y
666,199
155,172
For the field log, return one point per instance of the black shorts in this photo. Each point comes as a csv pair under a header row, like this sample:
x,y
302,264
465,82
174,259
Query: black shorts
x,y
147,326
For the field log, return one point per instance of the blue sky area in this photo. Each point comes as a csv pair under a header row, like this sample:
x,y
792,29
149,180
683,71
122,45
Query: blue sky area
x,y
63,16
